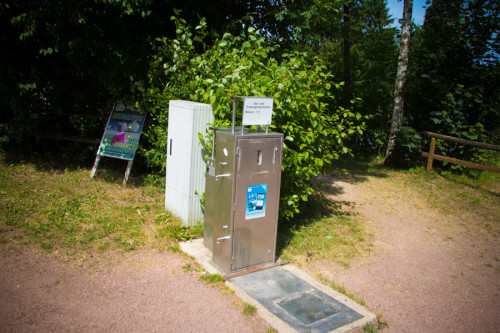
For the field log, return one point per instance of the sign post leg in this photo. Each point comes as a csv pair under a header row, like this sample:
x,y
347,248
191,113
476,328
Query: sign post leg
x,y
94,168
127,173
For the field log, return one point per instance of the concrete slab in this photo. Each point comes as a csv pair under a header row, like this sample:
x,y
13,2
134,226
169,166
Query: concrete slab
x,y
278,304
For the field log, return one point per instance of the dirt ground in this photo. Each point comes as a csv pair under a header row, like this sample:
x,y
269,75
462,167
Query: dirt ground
x,y
147,291
428,273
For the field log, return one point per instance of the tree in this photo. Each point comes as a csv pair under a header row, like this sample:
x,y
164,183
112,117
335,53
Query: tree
x,y
244,66
454,79
404,50
346,47
65,57
358,46
373,68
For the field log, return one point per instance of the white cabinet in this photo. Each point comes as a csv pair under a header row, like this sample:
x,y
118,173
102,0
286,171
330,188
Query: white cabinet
x,y
185,162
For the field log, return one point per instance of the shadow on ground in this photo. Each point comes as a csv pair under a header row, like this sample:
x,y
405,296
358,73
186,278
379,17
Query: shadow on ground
x,y
348,170
77,157
320,204
494,192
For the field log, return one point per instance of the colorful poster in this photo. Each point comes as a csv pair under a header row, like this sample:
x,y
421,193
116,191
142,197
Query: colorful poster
x,y
121,137
256,201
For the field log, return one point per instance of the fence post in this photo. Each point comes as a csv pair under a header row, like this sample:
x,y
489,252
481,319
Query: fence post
x,y
431,156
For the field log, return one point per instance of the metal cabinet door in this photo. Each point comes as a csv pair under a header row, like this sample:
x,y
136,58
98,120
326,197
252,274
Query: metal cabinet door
x,y
222,198
258,173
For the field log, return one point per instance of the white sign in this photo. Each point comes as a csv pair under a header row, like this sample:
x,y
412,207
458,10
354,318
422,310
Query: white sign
x,y
257,111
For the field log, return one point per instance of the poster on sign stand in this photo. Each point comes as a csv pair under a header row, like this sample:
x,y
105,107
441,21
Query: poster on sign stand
x,y
121,136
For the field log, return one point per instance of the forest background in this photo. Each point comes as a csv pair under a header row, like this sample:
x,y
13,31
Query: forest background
x,y
330,65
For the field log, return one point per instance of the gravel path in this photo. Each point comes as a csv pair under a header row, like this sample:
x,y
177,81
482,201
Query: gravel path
x,y
146,292
430,272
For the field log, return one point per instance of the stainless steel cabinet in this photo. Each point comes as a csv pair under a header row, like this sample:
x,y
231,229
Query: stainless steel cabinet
x,y
242,198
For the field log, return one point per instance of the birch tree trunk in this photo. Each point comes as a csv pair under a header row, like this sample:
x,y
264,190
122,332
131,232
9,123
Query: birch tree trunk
x,y
404,49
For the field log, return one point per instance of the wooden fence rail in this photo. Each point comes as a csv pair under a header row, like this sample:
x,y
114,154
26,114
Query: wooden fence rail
x,y
432,156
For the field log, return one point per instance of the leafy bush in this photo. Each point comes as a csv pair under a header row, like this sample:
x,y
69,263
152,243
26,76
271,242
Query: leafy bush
x,y
407,152
243,66
455,119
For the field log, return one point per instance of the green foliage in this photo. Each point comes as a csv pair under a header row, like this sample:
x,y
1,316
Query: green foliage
x,y
373,328
453,83
455,120
249,309
243,66
357,44
181,232
212,278
61,59
407,152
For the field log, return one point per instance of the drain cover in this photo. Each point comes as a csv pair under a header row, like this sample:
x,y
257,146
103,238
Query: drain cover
x,y
295,301
308,308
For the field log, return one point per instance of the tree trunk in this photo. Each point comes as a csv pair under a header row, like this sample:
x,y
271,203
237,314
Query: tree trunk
x,y
404,49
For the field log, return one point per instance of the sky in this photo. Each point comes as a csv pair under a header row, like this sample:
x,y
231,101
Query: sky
x,y
396,11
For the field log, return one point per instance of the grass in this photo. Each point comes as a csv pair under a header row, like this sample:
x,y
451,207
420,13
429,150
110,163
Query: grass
x,y
334,238
64,209
67,211
474,195
454,195
249,309
189,267
328,230
212,279
381,323
216,280
341,289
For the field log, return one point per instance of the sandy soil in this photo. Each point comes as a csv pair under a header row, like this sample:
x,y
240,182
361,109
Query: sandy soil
x,y
146,291
430,271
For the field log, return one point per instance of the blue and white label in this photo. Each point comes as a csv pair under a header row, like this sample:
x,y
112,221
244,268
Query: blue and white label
x,y
256,201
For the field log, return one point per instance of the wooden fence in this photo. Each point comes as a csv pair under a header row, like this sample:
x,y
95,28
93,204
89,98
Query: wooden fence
x,y
432,156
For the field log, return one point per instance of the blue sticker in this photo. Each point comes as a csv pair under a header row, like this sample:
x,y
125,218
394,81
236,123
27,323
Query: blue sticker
x,y
256,201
